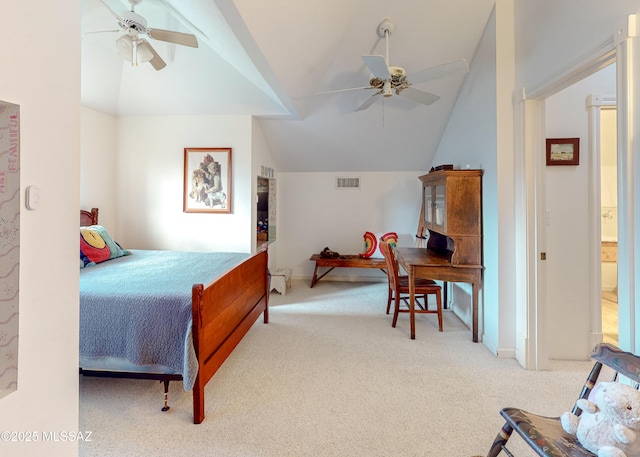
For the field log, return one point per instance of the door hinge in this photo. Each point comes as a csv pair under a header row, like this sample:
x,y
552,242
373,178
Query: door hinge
x,y
543,256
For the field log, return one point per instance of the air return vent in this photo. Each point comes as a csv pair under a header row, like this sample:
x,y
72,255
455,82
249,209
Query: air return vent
x,y
347,183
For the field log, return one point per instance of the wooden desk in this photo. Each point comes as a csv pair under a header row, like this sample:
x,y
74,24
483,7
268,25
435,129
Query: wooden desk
x,y
344,261
424,263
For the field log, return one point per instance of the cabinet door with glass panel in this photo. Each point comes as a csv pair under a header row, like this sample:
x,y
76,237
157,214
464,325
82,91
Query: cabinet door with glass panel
x,y
439,208
452,201
435,206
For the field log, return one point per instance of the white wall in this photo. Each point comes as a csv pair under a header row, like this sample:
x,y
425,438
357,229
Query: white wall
x,y
150,170
104,178
480,134
567,204
98,165
313,214
551,35
45,81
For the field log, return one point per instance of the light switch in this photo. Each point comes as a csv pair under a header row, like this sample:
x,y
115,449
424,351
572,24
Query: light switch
x,y
32,200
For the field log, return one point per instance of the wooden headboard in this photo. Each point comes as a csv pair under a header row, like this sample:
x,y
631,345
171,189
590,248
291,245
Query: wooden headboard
x,y
88,217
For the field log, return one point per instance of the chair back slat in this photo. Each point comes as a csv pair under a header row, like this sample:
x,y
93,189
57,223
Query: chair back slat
x,y
623,362
392,264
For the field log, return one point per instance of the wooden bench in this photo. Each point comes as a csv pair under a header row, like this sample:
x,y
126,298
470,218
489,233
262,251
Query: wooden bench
x,y
344,261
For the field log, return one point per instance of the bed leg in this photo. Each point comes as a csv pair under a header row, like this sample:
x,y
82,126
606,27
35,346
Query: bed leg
x,y
166,406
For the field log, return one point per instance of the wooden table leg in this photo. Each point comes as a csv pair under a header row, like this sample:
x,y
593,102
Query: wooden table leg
x,y
445,288
315,276
412,303
475,290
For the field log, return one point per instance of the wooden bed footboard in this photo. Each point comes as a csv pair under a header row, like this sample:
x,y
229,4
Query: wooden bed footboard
x,y
223,312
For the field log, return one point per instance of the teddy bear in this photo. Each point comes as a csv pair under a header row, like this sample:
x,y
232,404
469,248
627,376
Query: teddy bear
x,y
609,425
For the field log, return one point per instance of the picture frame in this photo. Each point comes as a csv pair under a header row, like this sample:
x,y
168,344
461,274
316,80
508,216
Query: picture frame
x,y
207,180
563,151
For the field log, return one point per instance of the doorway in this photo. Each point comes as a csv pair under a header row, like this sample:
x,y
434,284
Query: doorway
x,y
575,216
533,342
265,211
609,222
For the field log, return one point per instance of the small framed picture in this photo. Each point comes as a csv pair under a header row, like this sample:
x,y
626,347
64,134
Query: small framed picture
x,y
207,180
563,151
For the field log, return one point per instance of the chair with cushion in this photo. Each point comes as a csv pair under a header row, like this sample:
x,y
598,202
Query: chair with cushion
x,y
545,435
399,289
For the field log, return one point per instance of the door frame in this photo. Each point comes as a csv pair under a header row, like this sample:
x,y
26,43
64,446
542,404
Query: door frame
x,y
531,319
595,104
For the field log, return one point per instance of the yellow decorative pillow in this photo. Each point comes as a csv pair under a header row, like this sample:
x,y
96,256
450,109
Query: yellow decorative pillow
x,y
97,246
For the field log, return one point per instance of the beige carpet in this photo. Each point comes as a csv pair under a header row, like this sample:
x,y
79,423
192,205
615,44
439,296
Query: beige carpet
x,y
329,376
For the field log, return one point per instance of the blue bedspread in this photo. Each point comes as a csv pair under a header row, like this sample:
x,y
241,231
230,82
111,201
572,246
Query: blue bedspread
x,y
138,307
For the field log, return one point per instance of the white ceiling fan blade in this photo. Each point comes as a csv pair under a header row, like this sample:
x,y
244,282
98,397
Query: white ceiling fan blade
x,y
439,71
103,31
156,61
343,90
184,39
113,13
378,66
181,17
368,102
419,96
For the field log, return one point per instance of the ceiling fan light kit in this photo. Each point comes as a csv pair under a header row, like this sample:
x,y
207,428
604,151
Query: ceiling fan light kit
x,y
138,50
133,50
388,79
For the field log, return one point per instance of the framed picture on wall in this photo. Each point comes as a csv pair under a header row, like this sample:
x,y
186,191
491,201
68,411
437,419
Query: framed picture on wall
x,y
207,180
563,151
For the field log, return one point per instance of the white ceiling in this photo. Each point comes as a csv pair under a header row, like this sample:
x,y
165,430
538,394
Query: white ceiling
x,y
269,58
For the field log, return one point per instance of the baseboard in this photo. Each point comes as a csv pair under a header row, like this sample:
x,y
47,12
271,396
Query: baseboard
x,y
595,338
506,353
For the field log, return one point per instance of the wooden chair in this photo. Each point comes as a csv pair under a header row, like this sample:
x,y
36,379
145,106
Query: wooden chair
x,y
399,289
545,435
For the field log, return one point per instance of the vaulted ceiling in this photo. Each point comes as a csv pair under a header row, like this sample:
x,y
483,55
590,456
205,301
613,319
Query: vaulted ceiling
x,y
269,59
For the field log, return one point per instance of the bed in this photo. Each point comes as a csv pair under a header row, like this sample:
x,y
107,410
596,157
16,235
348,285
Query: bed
x,y
165,315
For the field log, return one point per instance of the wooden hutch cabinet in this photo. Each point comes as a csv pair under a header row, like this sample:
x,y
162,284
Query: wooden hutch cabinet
x,y
452,212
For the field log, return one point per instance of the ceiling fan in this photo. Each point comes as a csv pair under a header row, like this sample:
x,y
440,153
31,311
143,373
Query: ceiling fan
x,y
138,50
387,79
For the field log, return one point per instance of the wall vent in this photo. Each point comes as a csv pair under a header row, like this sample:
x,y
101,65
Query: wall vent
x,y
347,183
